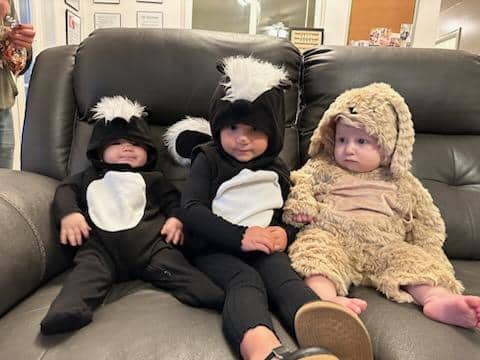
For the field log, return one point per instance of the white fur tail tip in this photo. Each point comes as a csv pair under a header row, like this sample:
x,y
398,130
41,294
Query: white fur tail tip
x,y
183,136
109,108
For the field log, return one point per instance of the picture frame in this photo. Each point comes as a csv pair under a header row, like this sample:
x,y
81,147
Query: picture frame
x,y
306,38
150,19
449,40
74,4
106,20
106,1
73,28
151,1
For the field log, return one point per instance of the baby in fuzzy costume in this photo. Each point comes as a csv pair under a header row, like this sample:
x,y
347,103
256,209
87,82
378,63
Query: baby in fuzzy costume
x,y
365,219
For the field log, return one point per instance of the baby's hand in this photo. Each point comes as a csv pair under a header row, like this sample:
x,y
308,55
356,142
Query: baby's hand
x,y
72,228
173,231
303,218
280,237
257,238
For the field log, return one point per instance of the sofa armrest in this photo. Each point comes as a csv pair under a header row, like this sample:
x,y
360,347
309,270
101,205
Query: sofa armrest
x,y
30,252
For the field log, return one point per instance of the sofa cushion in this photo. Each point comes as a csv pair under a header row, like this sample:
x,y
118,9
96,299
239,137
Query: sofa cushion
x,y
401,331
136,321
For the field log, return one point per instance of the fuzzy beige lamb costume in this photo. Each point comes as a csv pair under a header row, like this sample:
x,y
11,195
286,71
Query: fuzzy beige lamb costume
x,y
379,228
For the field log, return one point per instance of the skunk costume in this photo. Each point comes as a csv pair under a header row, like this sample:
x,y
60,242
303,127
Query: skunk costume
x,y
223,197
126,208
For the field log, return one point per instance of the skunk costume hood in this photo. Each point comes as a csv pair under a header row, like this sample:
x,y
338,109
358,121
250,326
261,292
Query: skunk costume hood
x,y
119,118
250,92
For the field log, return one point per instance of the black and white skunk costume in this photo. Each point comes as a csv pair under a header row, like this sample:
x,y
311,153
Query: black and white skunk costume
x,y
223,197
240,194
126,208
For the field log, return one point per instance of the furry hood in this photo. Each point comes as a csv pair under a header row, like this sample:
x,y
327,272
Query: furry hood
x,y
119,118
384,115
250,92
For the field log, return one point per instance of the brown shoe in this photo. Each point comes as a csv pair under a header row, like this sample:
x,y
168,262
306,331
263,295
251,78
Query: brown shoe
x,y
332,326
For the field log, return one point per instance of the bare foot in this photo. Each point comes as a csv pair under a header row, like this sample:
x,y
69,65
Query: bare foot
x,y
452,309
353,304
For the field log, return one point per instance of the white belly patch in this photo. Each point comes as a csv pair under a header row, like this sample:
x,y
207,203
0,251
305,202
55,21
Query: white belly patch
x,y
117,201
249,198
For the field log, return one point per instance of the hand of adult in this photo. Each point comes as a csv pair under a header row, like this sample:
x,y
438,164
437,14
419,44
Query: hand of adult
x,y
22,35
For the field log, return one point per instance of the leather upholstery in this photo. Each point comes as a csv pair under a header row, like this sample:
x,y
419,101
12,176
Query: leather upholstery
x,y
173,73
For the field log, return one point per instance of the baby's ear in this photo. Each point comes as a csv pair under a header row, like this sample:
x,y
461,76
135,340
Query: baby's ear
x,y
182,137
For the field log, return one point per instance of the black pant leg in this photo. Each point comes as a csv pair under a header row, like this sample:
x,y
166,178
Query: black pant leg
x,y
286,290
84,290
169,270
246,303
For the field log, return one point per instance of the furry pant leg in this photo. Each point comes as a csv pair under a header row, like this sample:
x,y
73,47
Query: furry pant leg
x,y
170,270
84,289
317,252
400,264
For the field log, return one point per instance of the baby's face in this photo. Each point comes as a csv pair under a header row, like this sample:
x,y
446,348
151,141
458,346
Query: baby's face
x,y
123,151
243,142
355,150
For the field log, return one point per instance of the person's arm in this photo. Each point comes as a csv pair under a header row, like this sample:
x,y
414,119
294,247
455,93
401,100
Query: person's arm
x,y
67,197
197,214
166,195
301,199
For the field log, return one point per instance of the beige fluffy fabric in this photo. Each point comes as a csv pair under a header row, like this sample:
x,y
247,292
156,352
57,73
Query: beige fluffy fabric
x,y
400,241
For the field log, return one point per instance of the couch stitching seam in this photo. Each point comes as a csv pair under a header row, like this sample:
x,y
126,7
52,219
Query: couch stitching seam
x,y
39,245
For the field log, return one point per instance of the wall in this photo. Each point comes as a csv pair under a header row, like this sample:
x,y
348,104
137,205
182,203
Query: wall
x,y
426,23
51,16
464,14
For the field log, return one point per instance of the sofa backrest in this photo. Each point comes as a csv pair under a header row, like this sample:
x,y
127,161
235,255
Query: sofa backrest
x,y
442,89
172,72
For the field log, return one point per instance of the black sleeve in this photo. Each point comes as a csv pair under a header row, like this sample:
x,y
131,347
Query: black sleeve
x,y
68,197
167,196
197,212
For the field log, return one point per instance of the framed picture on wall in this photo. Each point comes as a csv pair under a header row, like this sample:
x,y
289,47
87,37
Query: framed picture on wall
x,y
449,40
150,19
73,28
74,4
306,38
106,1
106,20
151,1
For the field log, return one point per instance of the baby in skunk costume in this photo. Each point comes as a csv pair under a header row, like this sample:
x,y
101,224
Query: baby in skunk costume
x,y
128,213
233,206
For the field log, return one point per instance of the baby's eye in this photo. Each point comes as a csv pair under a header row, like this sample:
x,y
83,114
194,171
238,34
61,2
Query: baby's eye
x,y
362,141
115,143
341,140
233,127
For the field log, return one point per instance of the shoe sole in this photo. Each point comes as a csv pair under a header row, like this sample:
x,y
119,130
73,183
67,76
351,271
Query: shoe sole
x,y
335,328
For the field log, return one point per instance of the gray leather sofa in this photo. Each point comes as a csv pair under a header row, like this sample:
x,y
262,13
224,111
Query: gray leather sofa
x,y
173,73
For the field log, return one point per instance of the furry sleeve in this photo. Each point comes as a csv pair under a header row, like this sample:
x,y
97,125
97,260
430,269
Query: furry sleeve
x,y
427,228
301,199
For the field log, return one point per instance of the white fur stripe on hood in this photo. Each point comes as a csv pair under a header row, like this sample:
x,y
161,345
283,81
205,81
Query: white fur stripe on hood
x,y
109,108
248,77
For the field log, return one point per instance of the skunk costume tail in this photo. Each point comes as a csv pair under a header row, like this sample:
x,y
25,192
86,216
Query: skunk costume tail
x,y
184,135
